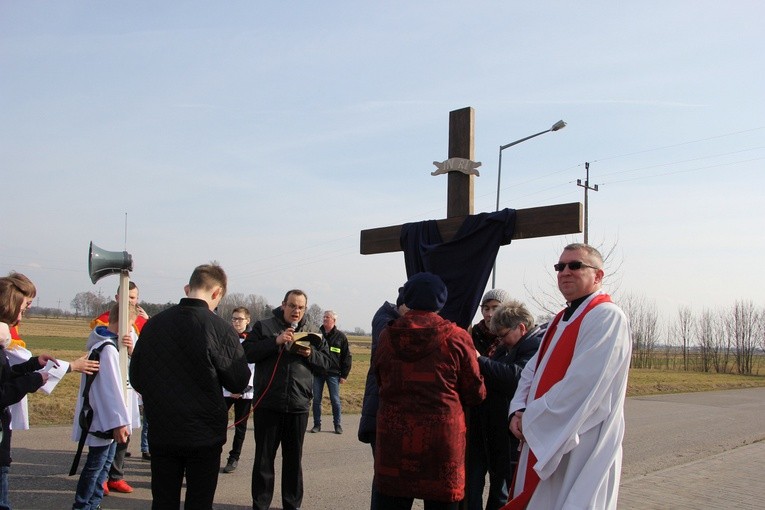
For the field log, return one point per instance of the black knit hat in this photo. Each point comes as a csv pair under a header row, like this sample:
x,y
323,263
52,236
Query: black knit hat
x,y
425,291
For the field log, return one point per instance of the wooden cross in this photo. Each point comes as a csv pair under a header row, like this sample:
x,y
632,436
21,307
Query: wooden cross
x,y
544,221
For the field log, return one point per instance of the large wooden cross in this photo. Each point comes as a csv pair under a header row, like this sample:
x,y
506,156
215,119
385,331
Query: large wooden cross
x,y
545,221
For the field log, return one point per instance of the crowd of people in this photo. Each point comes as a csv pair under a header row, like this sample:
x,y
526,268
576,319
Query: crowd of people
x,y
537,409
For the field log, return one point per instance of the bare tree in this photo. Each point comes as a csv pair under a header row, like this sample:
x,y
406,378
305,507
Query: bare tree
x,y
313,317
684,332
88,303
644,323
258,307
229,302
707,328
742,328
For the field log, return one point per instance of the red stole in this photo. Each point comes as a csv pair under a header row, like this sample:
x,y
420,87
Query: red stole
x,y
103,320
555,370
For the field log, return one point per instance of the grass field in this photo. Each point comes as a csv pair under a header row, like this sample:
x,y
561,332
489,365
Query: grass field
x,y
65,339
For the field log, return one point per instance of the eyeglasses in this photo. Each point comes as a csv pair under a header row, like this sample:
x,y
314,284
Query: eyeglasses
x,y
577,264
238,319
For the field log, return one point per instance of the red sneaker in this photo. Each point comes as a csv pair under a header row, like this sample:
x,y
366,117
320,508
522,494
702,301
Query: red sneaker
x,y
119,486
106,489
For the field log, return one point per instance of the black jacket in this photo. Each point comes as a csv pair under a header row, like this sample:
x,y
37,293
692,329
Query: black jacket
x,y
15,382
335,346
284,379
386,314
183,357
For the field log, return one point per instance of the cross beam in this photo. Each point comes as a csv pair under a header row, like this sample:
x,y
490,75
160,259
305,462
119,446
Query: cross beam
x,y
533,222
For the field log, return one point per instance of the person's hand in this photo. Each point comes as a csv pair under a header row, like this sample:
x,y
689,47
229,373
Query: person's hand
x,y
127,341
45,376
121,434
342,380
516,425
141,312
235,395
286,336
44,358
84,365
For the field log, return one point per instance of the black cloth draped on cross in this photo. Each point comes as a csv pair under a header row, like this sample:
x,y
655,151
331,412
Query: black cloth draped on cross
x,y
464,263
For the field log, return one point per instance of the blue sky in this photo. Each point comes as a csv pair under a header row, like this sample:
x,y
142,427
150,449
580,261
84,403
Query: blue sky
x,y
266,135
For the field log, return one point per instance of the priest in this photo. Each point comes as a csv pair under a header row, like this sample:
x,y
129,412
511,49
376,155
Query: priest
x,y
569,406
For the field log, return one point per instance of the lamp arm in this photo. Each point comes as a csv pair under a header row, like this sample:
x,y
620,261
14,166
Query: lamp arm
x,y
503,147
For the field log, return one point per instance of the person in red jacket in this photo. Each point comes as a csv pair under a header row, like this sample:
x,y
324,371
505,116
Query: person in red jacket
x,y
427,372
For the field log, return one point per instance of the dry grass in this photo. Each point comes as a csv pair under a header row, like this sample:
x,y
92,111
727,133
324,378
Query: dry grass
x,y
65,339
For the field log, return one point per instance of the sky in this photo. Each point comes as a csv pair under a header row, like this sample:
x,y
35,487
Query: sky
x,y
267,135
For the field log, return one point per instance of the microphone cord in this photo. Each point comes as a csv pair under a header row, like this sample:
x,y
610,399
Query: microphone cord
x,y
265,391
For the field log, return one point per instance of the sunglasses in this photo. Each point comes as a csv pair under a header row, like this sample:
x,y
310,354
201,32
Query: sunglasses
x,y
560,266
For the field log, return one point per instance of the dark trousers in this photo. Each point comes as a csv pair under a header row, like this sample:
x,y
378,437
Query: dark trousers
x,y
271,430
241,410
396,503
168,468
117,471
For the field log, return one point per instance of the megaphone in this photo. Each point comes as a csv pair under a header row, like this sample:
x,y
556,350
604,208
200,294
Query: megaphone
x,y
103,263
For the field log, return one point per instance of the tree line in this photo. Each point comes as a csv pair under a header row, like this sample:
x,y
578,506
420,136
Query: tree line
x,y
723,340
92,304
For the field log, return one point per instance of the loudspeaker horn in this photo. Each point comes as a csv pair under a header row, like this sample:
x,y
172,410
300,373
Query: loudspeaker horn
x,y
103,263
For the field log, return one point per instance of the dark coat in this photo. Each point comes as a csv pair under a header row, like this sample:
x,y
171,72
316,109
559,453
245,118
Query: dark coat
x,y
15,382
501,374
427,371
282,378
184,356
386,314
483,338
335,345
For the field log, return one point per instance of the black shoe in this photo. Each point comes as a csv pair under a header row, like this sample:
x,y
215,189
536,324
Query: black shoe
x,y
128,454
338,429
146,455
230,466
315,429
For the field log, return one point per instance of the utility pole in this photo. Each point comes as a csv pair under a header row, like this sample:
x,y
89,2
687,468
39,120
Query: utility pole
x,y
586,187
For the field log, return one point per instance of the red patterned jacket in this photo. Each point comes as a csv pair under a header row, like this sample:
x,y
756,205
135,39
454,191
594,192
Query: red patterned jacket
x,y
426,369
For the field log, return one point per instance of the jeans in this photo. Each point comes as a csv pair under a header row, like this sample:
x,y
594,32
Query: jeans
x,y
144,433
333,383
90,486
4,503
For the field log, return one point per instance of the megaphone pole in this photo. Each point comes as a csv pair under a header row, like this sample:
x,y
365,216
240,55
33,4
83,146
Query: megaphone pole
x,y
124,329
102,263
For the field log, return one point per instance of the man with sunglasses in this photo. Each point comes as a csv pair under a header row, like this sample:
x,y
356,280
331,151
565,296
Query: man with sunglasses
x,y
568,410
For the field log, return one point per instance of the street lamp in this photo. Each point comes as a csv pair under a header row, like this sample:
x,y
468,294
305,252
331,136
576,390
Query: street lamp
x,y
555,127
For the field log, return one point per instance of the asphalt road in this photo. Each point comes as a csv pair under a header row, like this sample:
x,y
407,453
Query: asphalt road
x,y
672,441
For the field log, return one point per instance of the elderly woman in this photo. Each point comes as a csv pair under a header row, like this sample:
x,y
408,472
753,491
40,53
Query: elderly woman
x,y
519,340
426,373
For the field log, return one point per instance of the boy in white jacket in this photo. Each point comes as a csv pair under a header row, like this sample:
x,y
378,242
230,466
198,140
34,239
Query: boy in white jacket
x,y
111,420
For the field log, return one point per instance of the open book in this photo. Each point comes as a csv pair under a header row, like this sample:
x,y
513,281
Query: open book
x,y
304,341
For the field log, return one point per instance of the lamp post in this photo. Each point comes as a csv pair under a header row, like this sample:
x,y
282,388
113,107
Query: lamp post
x,y
555,127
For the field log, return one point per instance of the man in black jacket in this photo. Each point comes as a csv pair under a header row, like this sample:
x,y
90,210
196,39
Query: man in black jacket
x,y
335,345
185,356
283,391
